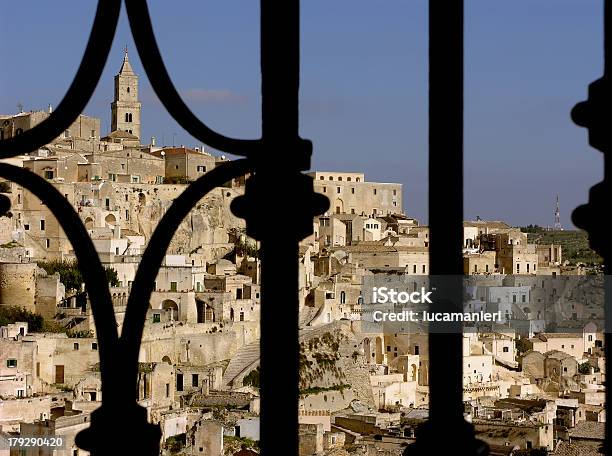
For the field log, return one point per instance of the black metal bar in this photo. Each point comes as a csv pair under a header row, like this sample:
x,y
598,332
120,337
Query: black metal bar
x,y
280,28
446,199
446,432
595,114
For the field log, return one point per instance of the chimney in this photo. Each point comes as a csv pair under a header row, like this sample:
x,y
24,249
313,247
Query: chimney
x,y
152,140
50,108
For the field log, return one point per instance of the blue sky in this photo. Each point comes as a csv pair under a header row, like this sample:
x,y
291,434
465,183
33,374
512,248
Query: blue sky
x,y
363,88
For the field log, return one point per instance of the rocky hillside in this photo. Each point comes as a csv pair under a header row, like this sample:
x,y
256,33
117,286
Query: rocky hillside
x,y
333,370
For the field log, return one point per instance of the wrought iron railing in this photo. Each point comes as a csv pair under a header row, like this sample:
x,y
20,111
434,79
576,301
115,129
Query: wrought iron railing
x,y
120,426
596,115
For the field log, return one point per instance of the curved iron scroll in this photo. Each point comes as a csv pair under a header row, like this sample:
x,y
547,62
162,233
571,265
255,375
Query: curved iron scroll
x,y
120,425
138,302
86,254
81,89
142,29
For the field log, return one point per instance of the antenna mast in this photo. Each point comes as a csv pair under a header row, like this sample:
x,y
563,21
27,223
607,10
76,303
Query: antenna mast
x,y
558,225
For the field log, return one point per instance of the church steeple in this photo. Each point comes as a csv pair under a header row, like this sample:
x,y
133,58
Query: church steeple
x,y
125,108
126,68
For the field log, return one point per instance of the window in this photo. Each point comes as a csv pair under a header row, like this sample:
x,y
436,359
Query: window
x,y
353,190
416,349
513,298
48,174
337,189
348,179
173,286
112,177
201,169
128,116
321,178
107,202
167,389
94,346
339,178
375,191
42,225
136,179
48,243
127,214
194,380
518,268
75,346
506,349
26,227
424,269
523,298
156,318
324,189
179,382
11,362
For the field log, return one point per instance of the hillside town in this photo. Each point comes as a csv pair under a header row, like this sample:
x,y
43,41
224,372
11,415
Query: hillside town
x,y
533,379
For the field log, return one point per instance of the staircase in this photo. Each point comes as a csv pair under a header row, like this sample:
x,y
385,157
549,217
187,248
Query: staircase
x,y
244,357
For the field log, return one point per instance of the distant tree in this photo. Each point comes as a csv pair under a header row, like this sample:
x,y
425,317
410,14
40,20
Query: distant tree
x,y
522,345
252,378
585,368
112,277
70,274
12,314
531,229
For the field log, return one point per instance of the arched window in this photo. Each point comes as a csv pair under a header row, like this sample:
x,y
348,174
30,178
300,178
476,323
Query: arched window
x,y
128,116
128,90
342,297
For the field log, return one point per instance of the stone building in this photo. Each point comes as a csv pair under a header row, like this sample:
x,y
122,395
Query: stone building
x,y
84,127
185,164
350,193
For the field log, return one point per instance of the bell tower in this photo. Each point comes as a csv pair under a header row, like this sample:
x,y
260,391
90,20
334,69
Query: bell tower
x,y
125,108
